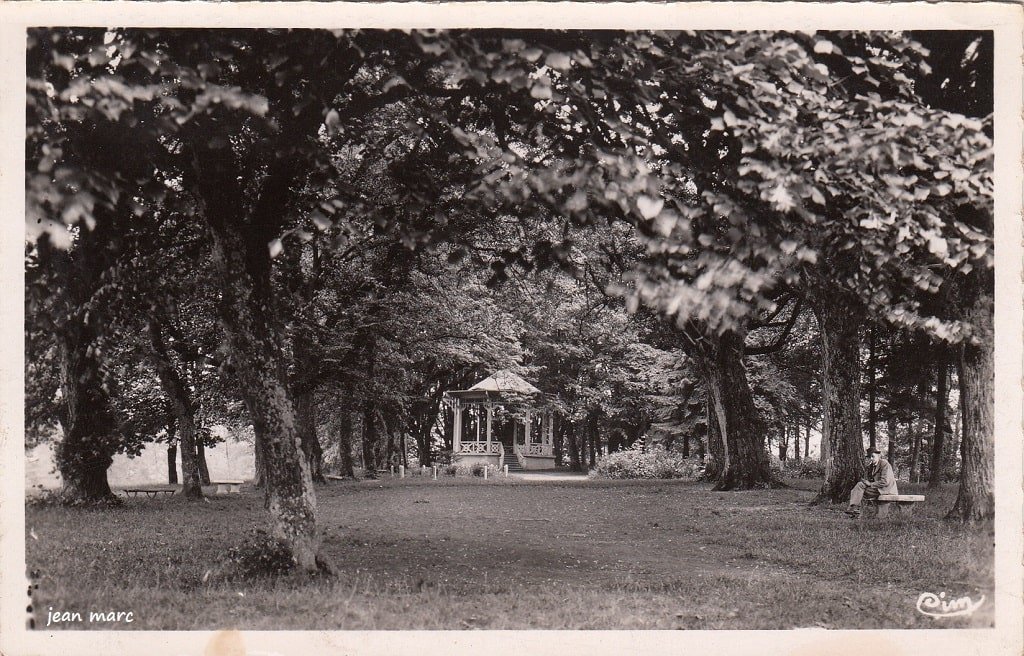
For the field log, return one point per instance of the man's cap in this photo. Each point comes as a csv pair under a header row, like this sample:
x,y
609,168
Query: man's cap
x,y
871,451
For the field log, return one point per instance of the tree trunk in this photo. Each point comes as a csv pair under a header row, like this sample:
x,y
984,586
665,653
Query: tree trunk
x,y
593,436
305,423
783,444
193,462
345,443
241,229
872,414
796,442
260,478
746,464
941,400
369,439
891,433
574,451
714,464
87,449
423,451
824,448
807,441
975,499
839,325
172,463
913,474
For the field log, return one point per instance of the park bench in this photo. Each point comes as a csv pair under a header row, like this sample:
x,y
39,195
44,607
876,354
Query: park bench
x,y
228,487
151,493
904,502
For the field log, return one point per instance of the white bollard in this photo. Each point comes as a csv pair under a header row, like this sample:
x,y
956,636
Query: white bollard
x,y
401,471
506,471
435,471
486,467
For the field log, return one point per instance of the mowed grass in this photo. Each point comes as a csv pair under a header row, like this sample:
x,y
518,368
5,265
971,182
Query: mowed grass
x,y
469,554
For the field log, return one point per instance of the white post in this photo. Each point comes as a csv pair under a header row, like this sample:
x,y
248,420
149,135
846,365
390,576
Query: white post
x,y
486,467
401,471
506,471
434,468
477,423
457,426
529,419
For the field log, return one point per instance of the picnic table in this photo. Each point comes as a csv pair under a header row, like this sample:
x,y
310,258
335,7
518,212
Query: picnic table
x,y
149,492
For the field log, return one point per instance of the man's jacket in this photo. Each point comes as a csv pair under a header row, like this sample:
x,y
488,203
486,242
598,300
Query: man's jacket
x,y
881,474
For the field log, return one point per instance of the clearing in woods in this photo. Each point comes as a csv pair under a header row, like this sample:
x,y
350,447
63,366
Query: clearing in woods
x,y
515,554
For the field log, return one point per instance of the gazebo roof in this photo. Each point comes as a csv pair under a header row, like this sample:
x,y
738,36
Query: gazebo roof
x,y
502,384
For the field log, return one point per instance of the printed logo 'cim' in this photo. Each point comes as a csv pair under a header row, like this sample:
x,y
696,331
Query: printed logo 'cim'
x,y
936,605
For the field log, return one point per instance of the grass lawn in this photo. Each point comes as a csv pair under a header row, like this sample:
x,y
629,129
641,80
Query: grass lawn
x,y
467,554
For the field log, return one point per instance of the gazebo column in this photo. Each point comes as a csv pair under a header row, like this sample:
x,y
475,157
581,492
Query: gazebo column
x,y
457,428
526,424
490,413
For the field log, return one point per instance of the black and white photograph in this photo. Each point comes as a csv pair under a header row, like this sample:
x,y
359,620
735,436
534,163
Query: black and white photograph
x,y
363,328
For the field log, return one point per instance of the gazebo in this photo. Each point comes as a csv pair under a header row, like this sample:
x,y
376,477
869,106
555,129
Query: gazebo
x,y
501,420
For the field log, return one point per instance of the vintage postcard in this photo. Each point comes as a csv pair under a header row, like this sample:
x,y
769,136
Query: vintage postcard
x,y
511,327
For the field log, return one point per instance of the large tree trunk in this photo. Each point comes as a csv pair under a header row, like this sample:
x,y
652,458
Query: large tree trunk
x,y
260,478
796,442
839,324
941,399
746,464
345,443
177,392
975,499
90,439
305,420
91,432
714,464
242,225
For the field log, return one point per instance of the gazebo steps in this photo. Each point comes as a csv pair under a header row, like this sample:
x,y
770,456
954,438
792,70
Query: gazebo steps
x,y
512,461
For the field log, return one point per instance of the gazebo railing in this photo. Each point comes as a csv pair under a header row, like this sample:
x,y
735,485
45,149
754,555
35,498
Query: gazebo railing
x,y
536,449
481,448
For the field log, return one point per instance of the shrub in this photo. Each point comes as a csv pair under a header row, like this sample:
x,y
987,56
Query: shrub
x,y
476,469
258,555
655,462
806,468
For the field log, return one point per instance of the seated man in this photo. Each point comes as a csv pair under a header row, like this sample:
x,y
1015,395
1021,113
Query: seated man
x,y
878,479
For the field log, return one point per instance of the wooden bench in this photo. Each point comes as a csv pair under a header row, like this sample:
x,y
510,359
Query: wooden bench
x,y
228,487
150,493
903,502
